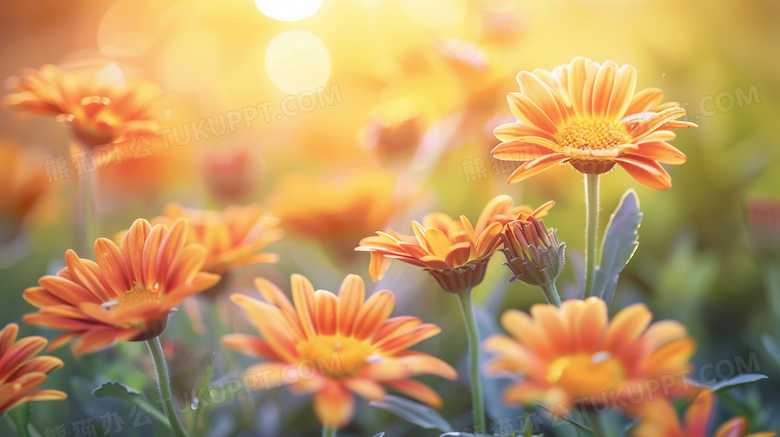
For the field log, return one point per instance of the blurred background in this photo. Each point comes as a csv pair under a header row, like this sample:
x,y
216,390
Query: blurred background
x,y
348,116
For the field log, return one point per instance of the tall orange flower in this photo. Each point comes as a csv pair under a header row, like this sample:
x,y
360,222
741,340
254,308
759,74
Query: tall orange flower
x,y
231,237
453,250
334,346
127,294
574,355
21,372
586,114
101,106
660,420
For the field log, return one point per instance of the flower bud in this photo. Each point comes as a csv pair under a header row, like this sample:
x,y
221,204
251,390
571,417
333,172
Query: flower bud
x,y
532,252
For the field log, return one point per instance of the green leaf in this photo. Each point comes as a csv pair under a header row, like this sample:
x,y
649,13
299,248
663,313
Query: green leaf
x,y
19,417
413,412
381,434
728,384
619,244
772,348
122,392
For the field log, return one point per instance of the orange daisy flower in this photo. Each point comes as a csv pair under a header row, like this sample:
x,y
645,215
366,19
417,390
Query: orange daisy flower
x,y
127,294
586,114
574,355
452,250
231,237
21,372
336,211
660,420
334,346
101,106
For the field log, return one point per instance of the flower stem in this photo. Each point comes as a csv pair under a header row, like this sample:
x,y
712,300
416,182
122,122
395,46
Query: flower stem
x,y
551,294
591,229
467,311
328,431
771,272
155,348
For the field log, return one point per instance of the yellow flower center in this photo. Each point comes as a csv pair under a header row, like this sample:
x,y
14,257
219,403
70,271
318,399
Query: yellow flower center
x,y
337,355
593,135
586,374
133,297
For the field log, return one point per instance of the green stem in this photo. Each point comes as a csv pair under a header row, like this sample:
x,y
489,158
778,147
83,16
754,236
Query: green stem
x,y
771,272
467,311
155,348
328,431
591,229
551,294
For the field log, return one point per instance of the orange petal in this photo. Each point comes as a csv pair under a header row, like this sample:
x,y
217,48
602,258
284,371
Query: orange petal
x,y
535,166
524,149
648,173
541,94
416,390
366,388
334,405
657,151
378,266
622,93
303,298
698,414
528,112
352,294
325,312
511,131
373,314
626,326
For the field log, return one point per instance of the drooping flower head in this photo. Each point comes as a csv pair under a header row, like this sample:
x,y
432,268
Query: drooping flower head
x,y
452,250
232,237
127,294
660,420
101,106
21,372
586,114
336,346
574,356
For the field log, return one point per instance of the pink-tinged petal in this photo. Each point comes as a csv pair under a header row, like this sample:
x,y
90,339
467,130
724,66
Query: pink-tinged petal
x,y
590,326
511,131
582,74
648,173
536,166
395,325
334,405
173,242
352,294
85,276
405,339
151,255
8,337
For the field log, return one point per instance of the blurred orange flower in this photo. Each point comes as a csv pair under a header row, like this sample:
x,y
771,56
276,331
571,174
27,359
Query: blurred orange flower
x,y
587,114
452,250
231,237
573,355
23,181
21,372
101,106
660,420
127,295
336,211
334,346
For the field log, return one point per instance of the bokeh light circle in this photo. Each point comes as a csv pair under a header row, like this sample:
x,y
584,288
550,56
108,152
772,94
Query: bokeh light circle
x,y
288,10
297,61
